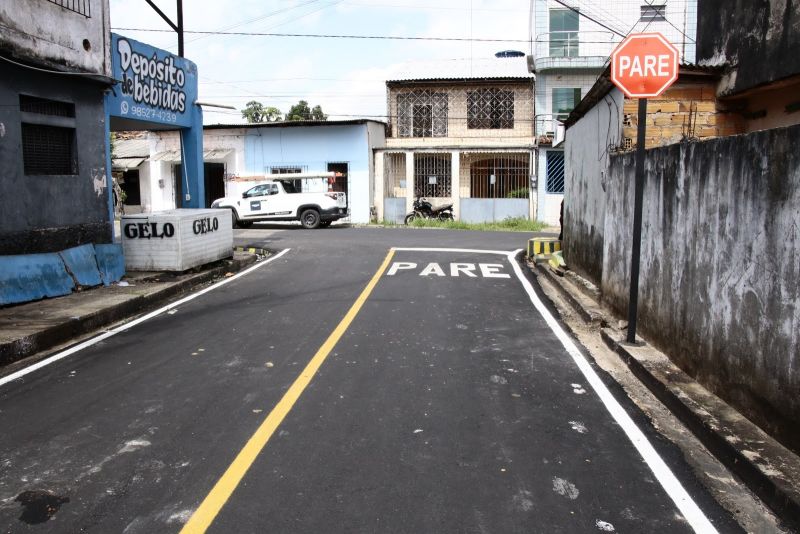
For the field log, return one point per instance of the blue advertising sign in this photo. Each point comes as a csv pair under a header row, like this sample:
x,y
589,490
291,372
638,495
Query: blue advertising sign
x,y
154,85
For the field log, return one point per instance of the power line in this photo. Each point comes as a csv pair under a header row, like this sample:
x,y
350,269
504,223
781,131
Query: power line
x,y
584,15
333,36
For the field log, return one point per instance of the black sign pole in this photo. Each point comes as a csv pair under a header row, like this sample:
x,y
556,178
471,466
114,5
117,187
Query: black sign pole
x,y
636,245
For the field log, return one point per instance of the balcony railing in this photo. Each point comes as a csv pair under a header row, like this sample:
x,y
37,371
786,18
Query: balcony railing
x,y
566,49
549,129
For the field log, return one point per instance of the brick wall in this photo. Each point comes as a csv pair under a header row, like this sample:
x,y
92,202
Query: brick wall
x,y
687,110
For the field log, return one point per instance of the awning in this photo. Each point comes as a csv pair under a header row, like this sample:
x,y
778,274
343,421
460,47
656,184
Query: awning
x,y
175,155
126,163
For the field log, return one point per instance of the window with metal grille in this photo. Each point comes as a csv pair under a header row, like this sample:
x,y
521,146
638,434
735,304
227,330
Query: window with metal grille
x,y
501,176
651,13
44,106
432,176
48,150
422,114
555,172
82,7
490,109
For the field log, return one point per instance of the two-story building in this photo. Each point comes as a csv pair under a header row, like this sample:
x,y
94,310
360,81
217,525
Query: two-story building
x,y
570,49
460,132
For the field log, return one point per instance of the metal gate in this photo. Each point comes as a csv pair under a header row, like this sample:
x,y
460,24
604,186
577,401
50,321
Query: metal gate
x,y
394,187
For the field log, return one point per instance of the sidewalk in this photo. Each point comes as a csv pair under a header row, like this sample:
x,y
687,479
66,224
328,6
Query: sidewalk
x,y
30,328
770,470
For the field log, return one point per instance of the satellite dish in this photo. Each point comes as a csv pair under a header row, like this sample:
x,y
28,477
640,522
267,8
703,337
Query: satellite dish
x,y
509,53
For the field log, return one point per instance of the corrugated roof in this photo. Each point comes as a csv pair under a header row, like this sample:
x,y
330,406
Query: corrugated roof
x,y
131,148
290,124
463,69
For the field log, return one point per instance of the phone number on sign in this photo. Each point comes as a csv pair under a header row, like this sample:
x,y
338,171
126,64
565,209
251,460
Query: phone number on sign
x,y
155,114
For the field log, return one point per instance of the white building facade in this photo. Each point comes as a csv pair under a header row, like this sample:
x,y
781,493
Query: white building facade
x,y
238,156
570,46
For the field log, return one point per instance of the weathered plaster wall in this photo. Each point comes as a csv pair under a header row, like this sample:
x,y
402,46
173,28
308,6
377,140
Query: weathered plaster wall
x,y
52,213
61,38
586,156
720,276
759,38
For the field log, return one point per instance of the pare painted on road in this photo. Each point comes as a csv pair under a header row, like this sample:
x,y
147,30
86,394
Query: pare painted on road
x,y
468,270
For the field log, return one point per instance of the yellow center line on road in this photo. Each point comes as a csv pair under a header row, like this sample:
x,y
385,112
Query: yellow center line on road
x,y
226,485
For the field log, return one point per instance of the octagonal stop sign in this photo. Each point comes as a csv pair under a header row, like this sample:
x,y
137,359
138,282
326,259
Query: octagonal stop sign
x,y
644,65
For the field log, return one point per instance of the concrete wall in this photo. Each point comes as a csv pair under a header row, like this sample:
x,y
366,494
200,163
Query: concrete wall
x,y
52,213
55,36
586,156
759,40
720,275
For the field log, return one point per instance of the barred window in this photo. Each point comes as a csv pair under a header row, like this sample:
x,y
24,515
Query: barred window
x,y
555,172
44,106
490,109
82,7
432,175
48,150
422,114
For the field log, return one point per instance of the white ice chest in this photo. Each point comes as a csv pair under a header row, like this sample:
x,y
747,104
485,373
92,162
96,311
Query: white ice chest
x,y
176,240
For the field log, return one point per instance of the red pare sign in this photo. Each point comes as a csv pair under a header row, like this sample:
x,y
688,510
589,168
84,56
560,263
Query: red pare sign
x,y
644,65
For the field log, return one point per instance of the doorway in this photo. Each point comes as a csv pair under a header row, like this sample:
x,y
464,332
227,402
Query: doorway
x,y
340,183
214,178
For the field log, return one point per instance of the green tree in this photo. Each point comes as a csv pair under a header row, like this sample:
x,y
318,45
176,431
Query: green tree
x,y
256,112
301,112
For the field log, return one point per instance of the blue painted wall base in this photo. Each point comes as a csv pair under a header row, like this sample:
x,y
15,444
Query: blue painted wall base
x,y
28,277
81,265
110,262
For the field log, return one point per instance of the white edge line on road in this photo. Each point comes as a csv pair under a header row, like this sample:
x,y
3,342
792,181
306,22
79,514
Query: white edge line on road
x,y
690,510
466,250
105,335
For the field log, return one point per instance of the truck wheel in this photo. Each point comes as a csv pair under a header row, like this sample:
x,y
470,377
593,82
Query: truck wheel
x,y
310,219
234,219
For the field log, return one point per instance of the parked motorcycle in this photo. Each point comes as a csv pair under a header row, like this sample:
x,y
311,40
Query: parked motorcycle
x,y
425,210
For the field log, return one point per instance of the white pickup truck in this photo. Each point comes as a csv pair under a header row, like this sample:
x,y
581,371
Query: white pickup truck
x,y
279,200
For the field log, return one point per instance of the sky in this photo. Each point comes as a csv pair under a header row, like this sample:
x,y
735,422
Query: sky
x,y
344,76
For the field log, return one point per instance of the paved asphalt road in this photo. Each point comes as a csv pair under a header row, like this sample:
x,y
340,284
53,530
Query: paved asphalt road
x,y
446,402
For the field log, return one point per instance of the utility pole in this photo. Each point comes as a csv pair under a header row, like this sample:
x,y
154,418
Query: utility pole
x,y
177,26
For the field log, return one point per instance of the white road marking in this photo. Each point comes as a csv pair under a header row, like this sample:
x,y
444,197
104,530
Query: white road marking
x,y
105,335
465,250
690,510
672,486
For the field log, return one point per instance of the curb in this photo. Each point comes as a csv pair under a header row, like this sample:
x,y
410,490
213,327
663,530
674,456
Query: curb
x,y
715,427
48,338
776,492
588,314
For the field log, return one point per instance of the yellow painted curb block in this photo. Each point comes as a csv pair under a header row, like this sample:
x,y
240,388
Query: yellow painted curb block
x,y
543,245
